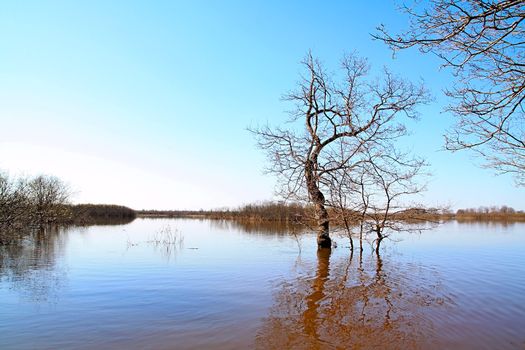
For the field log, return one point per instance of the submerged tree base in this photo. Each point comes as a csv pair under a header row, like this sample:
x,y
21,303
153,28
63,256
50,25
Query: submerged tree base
x,y
324,241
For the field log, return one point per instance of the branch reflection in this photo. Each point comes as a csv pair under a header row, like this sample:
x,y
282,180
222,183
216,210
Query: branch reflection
x,y
30,267
366,303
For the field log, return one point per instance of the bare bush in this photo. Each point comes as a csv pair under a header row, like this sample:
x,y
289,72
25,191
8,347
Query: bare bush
x,y
27,204
47,196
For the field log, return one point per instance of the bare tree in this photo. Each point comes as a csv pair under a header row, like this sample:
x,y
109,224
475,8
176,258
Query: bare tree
x,y
373,197
14,206
393,178
13,201
344,210
349,202
29,204
48,196
333,122
483,41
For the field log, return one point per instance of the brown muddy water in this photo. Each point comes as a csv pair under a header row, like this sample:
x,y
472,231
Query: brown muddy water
x,y
228,286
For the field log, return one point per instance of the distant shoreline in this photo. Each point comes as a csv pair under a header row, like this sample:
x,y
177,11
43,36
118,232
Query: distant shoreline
x,y
289,216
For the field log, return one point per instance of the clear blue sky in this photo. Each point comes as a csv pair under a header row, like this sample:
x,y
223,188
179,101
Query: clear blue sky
x,y
146,103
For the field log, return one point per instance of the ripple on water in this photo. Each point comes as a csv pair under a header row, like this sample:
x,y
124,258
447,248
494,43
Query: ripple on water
x,y
244,287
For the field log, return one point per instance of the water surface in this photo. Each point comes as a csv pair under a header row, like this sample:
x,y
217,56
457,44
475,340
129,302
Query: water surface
x,y
224,285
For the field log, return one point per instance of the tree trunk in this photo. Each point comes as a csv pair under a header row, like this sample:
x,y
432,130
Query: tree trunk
x,y
379,238
321,214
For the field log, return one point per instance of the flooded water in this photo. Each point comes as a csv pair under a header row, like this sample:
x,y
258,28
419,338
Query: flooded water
x,y
221,285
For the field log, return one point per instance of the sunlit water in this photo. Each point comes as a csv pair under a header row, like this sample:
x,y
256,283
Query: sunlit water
x,y
222,285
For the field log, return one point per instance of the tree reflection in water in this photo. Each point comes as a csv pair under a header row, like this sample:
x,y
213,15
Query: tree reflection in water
x,y
355,303
30,266
258,228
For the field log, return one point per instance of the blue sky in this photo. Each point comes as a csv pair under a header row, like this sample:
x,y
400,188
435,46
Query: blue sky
x,y
146,103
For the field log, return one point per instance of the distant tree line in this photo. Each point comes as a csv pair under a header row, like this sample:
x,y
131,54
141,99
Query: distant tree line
x,y
274,211
254,212
493,213
297,213
291,212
